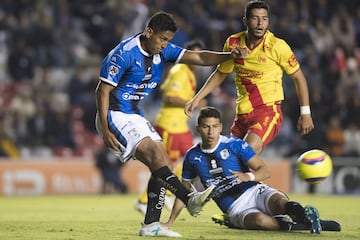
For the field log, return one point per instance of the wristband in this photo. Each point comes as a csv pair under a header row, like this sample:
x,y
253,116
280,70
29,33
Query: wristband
x,y
251,176
304,110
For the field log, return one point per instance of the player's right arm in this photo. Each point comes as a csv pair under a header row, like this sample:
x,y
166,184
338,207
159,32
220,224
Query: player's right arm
x,y
102,102
178,206
215,79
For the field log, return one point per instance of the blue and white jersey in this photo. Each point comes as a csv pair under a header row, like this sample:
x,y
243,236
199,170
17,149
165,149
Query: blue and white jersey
x,y
212,166
134,73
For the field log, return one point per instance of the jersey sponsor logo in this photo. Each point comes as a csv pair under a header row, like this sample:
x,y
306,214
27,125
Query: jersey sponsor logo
x,y
216,171
243,73
222,183
292,61
224,154
113,70
150,85
161,201
128,96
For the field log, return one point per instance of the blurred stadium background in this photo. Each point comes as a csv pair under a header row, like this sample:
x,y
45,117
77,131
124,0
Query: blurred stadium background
x,y
51,50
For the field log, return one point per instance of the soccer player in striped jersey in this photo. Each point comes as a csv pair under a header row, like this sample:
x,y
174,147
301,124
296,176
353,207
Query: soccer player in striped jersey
x,y
129,73
225,161
258,80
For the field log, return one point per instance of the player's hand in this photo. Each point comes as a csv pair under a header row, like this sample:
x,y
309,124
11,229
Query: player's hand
x,y
111,141
167,224
305,124
239,52
190,107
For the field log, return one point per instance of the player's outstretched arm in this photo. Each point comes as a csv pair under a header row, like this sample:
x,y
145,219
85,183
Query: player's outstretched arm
x,y
211,58
214,80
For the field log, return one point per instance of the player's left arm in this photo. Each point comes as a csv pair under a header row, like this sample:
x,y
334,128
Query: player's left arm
x,y
305,123
260,171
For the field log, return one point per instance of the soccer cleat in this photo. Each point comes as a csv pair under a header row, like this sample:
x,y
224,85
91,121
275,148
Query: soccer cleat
x,y
140,207
222,219
312,215
330,225
197,200
155,229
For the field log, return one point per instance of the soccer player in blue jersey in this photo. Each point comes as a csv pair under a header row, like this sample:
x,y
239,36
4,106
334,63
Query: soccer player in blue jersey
x,y
129,73
225,161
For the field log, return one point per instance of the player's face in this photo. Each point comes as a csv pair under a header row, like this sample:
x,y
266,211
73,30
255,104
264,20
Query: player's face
x,y
258,23
209,130
156,42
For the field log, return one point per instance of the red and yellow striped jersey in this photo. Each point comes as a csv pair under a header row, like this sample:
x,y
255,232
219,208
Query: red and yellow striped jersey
x,y
258,77
180,82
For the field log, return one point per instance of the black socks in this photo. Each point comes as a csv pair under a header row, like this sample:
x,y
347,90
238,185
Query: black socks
x,y
296,212
156,200
171,182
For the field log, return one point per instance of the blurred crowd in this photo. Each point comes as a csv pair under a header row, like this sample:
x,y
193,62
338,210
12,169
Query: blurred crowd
x,y
51,51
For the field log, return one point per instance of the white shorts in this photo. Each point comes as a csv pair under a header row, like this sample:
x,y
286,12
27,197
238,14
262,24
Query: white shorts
x,y
129,130
255,199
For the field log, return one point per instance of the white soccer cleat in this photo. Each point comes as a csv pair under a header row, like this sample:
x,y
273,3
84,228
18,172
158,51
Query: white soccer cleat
x,y
197,200
140,207
155,229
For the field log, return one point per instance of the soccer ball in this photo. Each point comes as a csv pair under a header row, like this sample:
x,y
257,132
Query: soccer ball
x,y
314,166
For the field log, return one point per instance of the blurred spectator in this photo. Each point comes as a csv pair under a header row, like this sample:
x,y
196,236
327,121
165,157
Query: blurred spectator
x,y
334,137
21,62
322,37
109,167
343,28
58,122
77,87
22,108
352,141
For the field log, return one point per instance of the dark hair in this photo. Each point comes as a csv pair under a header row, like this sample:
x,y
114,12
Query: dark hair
x,y
191,45
208,112
255,4
162,21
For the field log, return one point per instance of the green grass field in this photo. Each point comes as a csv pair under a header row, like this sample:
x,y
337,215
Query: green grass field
x,y
113,217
